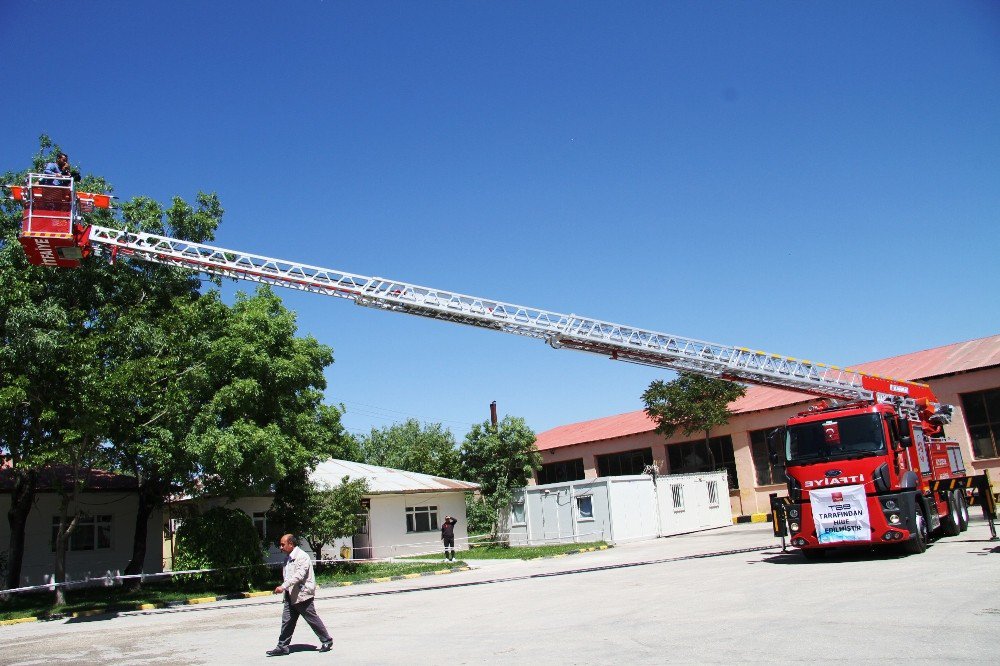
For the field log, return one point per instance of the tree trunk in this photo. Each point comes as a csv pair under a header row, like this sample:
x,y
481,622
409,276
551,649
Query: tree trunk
x,y
148,501
711,455
502,536
317,548
66,526
22,498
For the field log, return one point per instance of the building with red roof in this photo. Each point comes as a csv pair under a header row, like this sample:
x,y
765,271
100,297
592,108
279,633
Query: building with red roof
x,y
965,374
100,544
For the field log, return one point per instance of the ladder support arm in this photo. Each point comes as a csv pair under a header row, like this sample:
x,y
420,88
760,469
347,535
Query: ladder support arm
x,y
569,331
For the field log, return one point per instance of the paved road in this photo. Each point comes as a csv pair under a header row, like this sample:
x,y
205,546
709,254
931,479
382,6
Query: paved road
x,y
650,602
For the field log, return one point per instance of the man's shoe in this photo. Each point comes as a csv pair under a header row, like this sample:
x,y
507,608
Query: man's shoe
x,y
279,651
326,646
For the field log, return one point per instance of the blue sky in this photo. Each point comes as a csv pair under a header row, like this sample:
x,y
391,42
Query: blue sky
x,y
820,180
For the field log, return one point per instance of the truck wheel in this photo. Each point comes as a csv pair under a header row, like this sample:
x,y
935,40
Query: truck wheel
x,y
951,524
963,510
918,543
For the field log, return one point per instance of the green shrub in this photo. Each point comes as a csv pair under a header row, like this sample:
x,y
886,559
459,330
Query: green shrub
x,y
478,517
223,539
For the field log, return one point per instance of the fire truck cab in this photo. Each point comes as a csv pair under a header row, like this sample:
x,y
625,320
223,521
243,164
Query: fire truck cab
x,y
864,474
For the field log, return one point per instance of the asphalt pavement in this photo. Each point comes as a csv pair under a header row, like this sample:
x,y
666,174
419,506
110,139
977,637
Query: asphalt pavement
x,y
720,596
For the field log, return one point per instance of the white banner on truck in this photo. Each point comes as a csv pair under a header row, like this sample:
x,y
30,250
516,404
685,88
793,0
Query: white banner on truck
x,y
840,514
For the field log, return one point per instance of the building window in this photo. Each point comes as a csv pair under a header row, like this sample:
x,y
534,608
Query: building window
x,y
421,518
90,533
982,418
260,524
564,470
625,463
767,474
585,507
677,494
694,457
517,513
713,493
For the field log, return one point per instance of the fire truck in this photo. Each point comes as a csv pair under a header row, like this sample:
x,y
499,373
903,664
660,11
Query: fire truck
x,y
869,465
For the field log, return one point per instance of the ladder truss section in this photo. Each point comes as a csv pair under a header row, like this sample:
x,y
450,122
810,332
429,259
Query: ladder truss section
x,y
705,358
226,263
568,331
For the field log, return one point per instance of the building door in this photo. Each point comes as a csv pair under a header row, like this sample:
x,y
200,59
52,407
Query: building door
x,y
362,538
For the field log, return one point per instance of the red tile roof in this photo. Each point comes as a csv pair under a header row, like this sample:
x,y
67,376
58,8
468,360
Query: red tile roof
x,y
54,476
923,365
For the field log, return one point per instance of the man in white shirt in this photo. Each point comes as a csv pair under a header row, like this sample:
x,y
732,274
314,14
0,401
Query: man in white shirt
x,y
299,588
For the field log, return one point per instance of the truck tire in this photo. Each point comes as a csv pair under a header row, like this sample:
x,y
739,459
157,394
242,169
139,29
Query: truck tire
x,y
963,510
918,543
951,523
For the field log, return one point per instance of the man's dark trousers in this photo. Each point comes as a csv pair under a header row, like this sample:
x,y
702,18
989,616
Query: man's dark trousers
x,y
290,615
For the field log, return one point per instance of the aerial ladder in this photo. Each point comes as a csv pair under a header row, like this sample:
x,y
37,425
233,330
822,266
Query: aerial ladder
x,y
55,233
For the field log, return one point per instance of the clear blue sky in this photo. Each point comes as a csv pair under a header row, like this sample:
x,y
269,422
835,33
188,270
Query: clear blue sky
x,y
820,180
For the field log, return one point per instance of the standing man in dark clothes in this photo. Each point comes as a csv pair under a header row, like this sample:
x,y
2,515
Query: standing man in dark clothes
x,y
448,536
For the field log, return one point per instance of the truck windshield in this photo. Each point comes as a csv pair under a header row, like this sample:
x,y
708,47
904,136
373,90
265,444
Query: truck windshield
x,y
833,438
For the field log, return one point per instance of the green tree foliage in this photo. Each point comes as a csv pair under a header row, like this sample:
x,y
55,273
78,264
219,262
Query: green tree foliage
x,y
225,540
54,330
500,459
691,403
337,512
236,401
412,447
133,365
265,417
478,516
318,514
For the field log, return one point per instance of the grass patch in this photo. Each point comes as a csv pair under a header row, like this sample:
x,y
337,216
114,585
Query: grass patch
x,y
109,598
494,552
344,572
40,604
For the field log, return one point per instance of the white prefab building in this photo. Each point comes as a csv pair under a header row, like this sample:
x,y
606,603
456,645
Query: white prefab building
x,y
404,509
403,512
619,508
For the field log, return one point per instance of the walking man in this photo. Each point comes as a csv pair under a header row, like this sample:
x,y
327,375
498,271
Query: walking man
x,y
299,588
448,536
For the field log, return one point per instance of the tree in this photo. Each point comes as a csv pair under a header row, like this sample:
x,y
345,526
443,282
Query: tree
x,y
500,459
412,447
236,403
132,364
692,403
158,326
50,342
337,511
222,539
318,514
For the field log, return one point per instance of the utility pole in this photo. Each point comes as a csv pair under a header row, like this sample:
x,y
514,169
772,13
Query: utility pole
x,y
493,414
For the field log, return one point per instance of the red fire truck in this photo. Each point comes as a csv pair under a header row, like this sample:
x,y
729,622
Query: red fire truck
x,y
869,465
872,472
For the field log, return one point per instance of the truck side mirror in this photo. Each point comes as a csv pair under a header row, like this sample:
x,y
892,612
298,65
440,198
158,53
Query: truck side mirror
x,y
906,441
776,446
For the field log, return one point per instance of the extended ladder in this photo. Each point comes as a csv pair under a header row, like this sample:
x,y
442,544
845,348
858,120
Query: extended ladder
x,y
624,343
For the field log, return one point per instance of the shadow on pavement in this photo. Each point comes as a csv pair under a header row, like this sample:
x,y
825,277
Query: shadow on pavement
x,y
793,557
97,617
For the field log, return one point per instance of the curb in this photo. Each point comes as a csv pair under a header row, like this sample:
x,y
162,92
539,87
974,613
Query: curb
x,y
207,600
752,518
